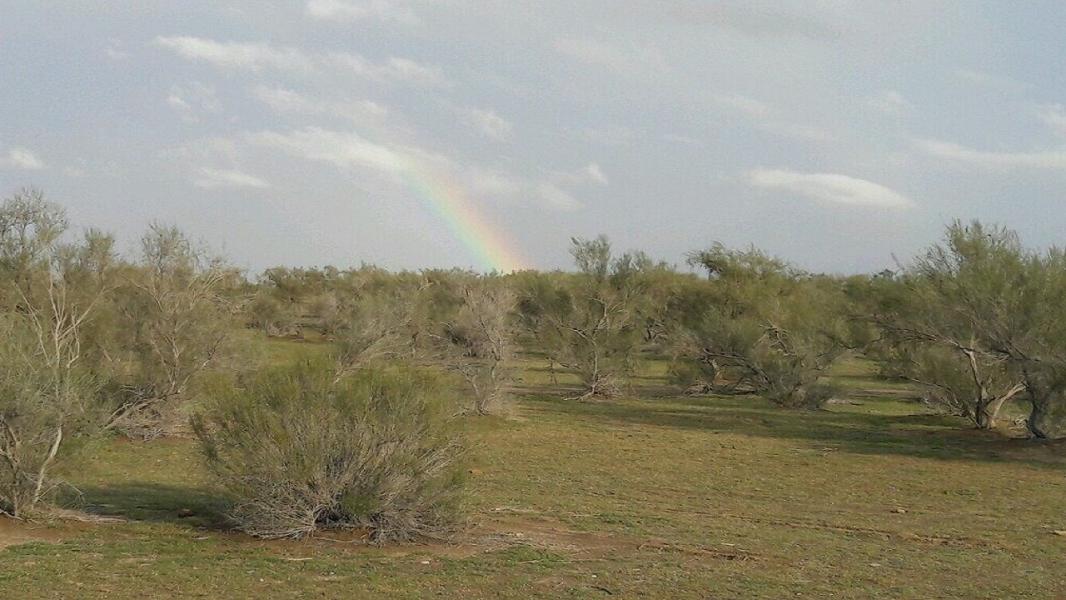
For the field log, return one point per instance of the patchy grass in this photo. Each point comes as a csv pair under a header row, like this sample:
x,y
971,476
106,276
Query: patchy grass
x,y
654,495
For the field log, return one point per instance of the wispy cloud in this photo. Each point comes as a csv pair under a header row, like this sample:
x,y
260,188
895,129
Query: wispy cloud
x,y
348,11
348,150
192,100
889,102
486,122
258,57
624,60
341,149
831,188
1047,159
589,174
21,158
209,178
1054,115
768,118
116,49
238,55
556,197
756,109
286,101
816,21
989,80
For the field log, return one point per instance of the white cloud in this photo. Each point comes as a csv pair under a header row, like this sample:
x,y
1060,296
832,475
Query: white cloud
x,y
341,149
21,158
237,55
208,178
257,57
556,197
116,50
797,131
1048,159
811,20
1054,115
192,99
743,104
889,102
349,150
483,182
829,187
595,174
988,80
766,117
682,139
487,122
589,174
628,61
285,101
344,11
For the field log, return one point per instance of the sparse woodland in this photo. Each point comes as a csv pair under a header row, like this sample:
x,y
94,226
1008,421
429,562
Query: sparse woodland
x,y
98,343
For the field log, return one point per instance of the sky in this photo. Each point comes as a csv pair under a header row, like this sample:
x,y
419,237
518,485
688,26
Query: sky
x,y
840,135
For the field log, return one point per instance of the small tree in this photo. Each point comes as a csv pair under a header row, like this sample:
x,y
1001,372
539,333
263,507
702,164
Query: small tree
x,y
588,322
759,326
479,340
299,450
47,398
177,320
954,316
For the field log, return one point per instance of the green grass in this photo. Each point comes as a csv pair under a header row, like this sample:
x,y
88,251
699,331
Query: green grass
x,y
654,495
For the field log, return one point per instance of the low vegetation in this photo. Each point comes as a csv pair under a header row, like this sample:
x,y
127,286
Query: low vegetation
x,y
625,419
298,450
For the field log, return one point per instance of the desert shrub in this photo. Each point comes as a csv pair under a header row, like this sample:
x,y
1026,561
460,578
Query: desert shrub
x,y
47,396
378,326
268,314
589,322
477,340
45,411
176,320
758,326
300,450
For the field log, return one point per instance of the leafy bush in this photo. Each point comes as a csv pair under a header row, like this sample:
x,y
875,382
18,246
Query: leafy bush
x,y
300,451
757,325
590,322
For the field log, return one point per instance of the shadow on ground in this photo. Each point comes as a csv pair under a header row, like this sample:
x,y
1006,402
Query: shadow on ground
x,y
147,501
917,435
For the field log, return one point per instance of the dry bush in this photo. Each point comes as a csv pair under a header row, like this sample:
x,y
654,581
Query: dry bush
x,y
47,397
478,341
176,321
378,327
300,451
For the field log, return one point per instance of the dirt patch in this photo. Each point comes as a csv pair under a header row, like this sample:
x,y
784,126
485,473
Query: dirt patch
x,y
13,533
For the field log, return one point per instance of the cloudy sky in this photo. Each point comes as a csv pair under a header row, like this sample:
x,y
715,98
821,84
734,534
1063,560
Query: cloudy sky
x,y
834,133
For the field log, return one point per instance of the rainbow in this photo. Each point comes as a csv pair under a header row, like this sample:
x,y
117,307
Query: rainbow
x,y
449,201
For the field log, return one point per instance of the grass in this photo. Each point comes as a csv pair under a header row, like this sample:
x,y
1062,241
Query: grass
x,y
654,495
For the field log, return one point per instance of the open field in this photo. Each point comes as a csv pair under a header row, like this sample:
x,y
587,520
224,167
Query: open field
x,y
655,495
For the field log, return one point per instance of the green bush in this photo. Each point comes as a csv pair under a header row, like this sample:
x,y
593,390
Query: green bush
x,y
300,450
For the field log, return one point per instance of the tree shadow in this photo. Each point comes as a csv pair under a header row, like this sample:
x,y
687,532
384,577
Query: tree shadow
x,y
917,435
188,506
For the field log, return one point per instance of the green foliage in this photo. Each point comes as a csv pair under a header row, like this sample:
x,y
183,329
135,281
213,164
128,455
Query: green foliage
x,y
757,325
175,319
47,397
589,322
977,321
299,450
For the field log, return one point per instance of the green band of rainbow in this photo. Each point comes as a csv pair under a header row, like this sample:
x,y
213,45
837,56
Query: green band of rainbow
x,y
489,246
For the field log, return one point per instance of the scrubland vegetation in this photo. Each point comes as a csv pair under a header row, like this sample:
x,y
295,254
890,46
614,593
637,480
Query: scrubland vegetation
x,y
741,428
